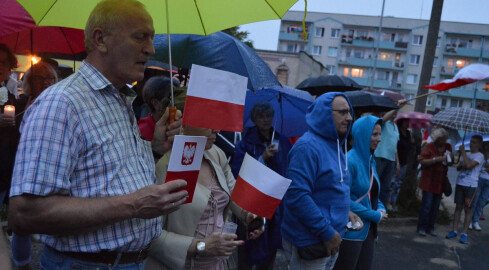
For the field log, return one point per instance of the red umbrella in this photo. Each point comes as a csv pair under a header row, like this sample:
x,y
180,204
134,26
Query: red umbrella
x,y
48,41
395,96
417,120
14,18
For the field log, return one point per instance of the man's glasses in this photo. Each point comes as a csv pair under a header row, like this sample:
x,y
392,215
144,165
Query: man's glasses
x,y
342,112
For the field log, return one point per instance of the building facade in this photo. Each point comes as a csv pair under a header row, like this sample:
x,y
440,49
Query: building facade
x,y
291,68
345,45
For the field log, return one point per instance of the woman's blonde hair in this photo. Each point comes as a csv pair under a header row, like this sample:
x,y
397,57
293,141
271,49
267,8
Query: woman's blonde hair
x,y
439,133
27,79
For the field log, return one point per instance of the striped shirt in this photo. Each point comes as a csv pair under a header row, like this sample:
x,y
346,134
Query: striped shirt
x,y
80,138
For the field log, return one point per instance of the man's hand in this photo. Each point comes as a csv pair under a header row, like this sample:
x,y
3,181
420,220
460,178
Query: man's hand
x,y
333,245
156,200
165,133
256,233
269,151
402,102
354,219
7,120
384,216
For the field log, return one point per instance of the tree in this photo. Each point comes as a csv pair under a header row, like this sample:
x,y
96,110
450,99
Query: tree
x,y
240,35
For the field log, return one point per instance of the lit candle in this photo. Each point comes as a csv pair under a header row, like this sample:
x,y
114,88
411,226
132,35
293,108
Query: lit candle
x,y
9,110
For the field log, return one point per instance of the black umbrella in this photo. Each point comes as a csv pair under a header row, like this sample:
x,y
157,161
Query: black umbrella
x,y
369,102
329,83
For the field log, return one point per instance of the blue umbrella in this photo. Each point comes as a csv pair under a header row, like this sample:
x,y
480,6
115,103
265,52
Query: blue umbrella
x,y
290,106
220,51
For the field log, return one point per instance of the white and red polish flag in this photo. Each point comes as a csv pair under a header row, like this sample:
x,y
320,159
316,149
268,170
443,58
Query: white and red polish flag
x,y
185,160
466,75
215,99
258,189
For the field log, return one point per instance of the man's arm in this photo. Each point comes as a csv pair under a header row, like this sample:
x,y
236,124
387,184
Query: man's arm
x,y
468,164
63,215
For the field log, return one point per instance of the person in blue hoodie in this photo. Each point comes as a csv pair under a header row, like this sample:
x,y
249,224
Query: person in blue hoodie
x,y
357,247
317,203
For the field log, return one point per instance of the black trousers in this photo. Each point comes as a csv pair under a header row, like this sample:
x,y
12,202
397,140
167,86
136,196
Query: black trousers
x,y
357,255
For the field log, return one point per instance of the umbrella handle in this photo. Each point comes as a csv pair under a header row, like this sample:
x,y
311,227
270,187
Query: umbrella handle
x,y
173,113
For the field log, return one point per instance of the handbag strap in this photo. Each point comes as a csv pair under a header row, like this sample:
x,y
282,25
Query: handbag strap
x,y
368,191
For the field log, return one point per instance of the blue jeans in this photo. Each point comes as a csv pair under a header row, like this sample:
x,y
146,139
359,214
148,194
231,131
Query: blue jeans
x,y
396,185
385,171
480,199
21,249
429,211
295,262
50,259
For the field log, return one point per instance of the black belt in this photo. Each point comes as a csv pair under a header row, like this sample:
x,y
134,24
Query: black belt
x,y
109,257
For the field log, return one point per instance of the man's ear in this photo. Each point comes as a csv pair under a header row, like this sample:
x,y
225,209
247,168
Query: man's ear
x,y
99,41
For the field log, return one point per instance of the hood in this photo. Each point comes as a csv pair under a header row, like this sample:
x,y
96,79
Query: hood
x,y
362,132
319,116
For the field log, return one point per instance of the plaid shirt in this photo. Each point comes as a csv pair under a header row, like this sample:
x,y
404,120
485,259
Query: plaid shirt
x,y
80,138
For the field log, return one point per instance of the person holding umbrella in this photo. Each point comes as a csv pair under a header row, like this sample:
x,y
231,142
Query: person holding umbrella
x,y
84,178
469,166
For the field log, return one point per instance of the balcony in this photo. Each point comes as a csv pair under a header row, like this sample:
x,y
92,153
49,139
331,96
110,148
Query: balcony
x,y
390,45
377,83
466,92
452,50
485,54
293,37
363,62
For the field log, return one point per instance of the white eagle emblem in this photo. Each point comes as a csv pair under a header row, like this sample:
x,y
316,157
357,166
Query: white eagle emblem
x,y
188,153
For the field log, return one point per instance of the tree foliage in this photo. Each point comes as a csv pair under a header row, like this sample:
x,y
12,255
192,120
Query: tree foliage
x,y
240,35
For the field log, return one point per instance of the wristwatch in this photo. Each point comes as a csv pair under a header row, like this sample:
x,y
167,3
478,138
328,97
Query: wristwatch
x,y
200,248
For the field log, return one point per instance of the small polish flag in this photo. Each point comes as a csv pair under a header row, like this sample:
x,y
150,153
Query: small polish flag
x,y
466,75
185,160
215,99
259,189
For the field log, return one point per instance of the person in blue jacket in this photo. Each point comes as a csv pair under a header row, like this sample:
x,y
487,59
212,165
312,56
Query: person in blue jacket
x,y
270,148
357,247
317,203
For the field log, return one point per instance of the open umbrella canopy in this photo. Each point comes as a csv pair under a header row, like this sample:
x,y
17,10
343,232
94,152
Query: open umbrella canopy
x,y
328,83
370,102
467,119
395,96
14,18
19,32
220,51
417,120
290,106
201,17
48,41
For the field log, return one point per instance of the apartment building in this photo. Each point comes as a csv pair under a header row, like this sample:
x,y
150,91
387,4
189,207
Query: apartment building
x,y
345,45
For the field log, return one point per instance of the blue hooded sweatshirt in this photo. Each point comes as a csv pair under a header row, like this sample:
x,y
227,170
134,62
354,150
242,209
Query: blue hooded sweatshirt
x,y
318,199
361,162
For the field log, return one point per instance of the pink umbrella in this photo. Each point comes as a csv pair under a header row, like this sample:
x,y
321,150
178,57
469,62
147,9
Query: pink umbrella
x,y
417,120
395,96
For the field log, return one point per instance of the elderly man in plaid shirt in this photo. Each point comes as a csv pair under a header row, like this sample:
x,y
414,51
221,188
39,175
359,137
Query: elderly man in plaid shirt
x,y
84,177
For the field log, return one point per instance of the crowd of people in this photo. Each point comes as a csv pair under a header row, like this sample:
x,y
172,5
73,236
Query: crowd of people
x,y
87,175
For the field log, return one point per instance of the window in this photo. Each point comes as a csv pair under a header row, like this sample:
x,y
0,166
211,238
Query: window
x,y
316,50
333,51
290,47
443,103
383,75
332,69
357,72
432,80
486,87
362,34
412,79
438,41
386,56
335,33
409,96
358,54
346,72
319,32
429,101
435,61
414,59
417,40
456,102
